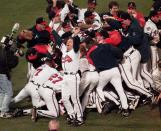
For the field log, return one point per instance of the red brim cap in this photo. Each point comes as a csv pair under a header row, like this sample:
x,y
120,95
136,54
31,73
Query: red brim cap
x,y
131,8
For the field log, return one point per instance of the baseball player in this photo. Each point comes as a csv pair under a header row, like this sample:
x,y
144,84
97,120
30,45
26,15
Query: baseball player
x,y
70,64
69,12
91,7
132,10
89,80
90,22
153,33
48,93
35,35
30,89
34,55
132,36
144,49
105,58
41,75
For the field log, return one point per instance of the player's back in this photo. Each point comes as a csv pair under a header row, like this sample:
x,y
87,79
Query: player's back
x,y
42,74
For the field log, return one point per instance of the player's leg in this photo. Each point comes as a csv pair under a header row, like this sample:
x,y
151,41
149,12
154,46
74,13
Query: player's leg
x,y
74,85
117,83
51,102
66,97
35,96
93,79
135,59
104,78
154,59
21,95
110,96
139,78
84,83
98,103
146,75
129,80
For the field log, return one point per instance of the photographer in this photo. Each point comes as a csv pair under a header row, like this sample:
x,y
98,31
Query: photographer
x,y
8,60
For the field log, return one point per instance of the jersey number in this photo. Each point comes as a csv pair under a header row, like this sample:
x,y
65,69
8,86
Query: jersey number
x,y
55,78
38,71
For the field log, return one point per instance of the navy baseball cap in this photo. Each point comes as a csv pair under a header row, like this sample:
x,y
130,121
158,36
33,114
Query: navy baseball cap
x,y
125,16
114,24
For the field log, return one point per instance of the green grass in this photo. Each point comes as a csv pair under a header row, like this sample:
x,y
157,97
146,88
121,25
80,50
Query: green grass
x,y
143,119
25,12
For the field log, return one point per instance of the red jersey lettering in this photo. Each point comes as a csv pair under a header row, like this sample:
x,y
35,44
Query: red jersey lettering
x,y
55,78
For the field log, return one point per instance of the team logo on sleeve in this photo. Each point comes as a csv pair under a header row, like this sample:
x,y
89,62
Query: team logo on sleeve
x,y
66,59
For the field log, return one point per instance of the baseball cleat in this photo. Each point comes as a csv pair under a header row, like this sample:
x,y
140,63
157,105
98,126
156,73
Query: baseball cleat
x,y
77,123
34,114
18,112
125,112
70,120
108,107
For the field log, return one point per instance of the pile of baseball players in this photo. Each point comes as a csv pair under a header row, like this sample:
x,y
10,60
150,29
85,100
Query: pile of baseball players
x,y
83,60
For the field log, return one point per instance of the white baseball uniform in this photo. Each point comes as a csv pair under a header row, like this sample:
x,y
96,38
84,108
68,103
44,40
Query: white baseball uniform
x,y
41,75
29,90
151,29
127,75
70,64
89,80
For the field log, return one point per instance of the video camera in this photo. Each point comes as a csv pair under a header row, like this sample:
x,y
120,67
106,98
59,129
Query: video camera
x,y
9,42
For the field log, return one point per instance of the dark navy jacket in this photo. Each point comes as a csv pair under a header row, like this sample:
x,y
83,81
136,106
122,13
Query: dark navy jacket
x,y
106,57
132,36
144,49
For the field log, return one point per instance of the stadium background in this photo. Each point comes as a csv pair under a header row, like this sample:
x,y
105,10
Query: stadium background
x,y
25,12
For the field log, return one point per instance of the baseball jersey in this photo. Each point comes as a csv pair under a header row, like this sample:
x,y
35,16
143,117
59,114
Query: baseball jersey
x,y
55,81
42,74
151,29
70,60
83,65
